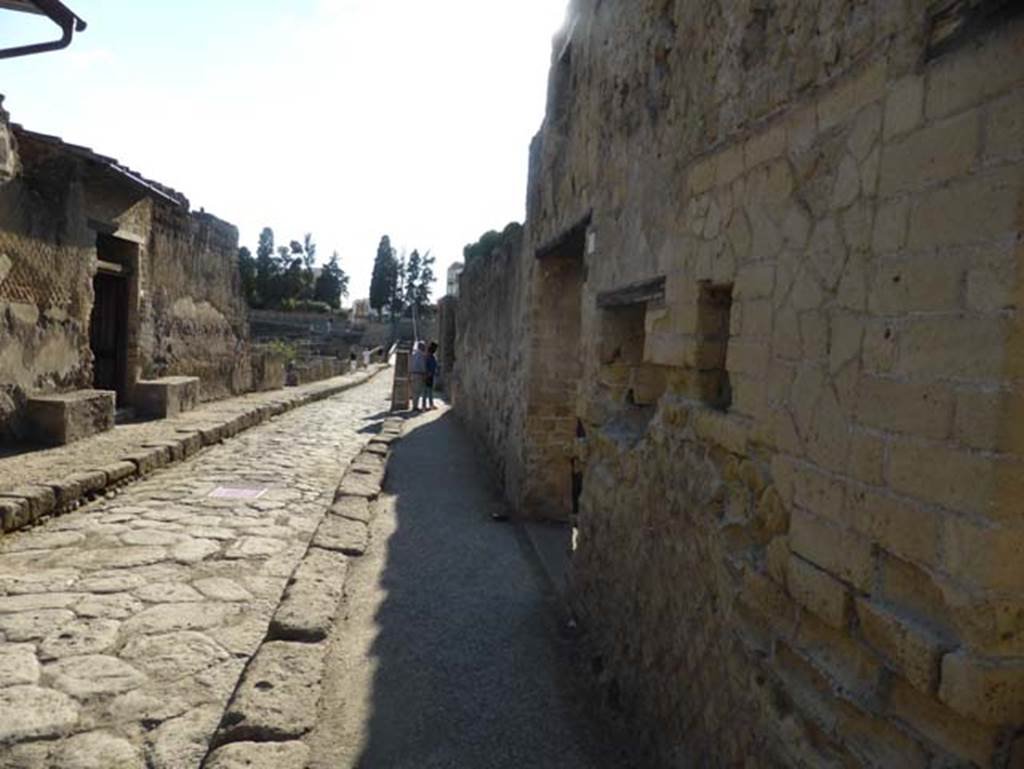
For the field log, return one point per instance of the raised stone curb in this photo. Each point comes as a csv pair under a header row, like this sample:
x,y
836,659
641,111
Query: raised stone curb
x,y
275,703
312,597
275,700
31,502
344,535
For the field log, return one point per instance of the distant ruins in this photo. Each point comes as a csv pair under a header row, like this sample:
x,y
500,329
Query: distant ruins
x,y
760,341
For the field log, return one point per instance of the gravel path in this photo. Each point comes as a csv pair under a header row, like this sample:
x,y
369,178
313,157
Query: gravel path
x,y
125,625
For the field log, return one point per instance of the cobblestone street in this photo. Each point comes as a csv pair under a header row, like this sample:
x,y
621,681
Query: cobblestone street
x,y
125,625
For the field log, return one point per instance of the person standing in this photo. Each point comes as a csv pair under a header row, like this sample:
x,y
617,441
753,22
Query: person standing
x,y
418,374
431,372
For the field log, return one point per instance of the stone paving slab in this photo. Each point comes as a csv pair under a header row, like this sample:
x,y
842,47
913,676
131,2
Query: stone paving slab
x,y
277,698
126,625
40,483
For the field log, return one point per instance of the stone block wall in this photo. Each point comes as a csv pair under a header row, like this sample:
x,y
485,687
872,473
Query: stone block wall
x,y
800,520
488,377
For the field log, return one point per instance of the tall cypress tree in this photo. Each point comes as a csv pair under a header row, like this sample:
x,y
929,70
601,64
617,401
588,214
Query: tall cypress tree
x,y
383,276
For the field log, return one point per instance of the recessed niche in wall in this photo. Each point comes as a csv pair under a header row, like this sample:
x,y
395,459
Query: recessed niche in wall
x,y
713,312
623,337
622,334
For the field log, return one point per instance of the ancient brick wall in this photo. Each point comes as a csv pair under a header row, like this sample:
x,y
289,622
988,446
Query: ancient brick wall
x,y
184,311
488,377
45,285
798,374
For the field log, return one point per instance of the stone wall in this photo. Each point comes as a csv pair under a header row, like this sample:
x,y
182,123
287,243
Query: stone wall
x,y
488,377
63,209
768,310
199,322
45,284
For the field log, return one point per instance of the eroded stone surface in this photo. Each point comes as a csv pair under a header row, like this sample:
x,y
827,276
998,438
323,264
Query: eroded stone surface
x,y
18,665
174,655
28,712
312,599
182,741
93,674
343,535
278,696
259,755
78,637
97,750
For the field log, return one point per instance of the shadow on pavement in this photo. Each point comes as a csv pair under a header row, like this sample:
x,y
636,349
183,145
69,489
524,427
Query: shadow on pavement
x,y
470,669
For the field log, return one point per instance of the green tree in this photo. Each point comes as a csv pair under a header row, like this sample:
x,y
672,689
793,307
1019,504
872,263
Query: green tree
x,y
332,283
396,286
419,280
383,273
247,272
412,276
291,278
266,268
489,241
425,284
309,263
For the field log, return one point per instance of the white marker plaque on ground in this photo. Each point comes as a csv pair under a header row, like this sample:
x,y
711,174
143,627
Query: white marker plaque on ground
x,y
237,492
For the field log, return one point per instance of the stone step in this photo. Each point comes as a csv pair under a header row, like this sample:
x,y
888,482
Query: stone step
x,y
64,418
167,396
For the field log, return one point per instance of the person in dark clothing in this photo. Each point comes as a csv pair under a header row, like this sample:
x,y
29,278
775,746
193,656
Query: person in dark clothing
x,y
428,383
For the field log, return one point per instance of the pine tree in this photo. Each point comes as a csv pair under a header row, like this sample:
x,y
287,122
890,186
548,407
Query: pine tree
x,y
396,285
425,284
412,276
332,284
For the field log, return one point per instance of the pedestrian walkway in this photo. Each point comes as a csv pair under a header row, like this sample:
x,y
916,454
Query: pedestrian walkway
x,y
125,625
450,655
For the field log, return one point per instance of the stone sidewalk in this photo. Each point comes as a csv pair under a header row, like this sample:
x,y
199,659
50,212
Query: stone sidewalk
x,y
40,483
126,624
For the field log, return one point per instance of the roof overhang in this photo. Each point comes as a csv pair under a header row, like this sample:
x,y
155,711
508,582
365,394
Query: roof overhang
x,y
105,163
54,10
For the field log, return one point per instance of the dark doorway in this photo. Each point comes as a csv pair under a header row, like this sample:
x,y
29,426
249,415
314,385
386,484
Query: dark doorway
x,y
108,328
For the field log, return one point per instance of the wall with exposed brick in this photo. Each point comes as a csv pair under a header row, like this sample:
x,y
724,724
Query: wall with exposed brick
x,y
185,315
801,548
45,284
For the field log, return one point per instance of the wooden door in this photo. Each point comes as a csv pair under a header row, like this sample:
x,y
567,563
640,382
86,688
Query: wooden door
x,y
107,333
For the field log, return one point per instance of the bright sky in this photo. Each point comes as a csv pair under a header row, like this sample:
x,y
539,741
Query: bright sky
x,y
345,118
